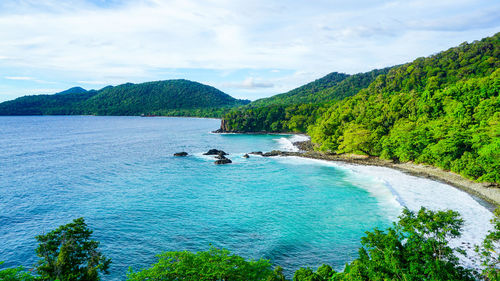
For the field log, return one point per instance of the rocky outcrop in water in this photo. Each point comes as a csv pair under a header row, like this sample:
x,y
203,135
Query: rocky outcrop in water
x,y
223,161
223,127
215,152
246,156
181,154
220,156
276,153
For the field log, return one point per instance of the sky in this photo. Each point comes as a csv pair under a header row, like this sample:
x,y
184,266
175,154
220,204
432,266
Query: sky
x,y
248,49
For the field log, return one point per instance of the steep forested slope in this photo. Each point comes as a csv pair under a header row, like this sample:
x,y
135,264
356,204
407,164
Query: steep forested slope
x,y
442,110
304,94
334,86
294,111
171,97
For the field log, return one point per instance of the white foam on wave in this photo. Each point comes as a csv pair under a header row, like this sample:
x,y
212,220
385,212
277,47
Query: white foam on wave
x,y
395,189
387,200
286,143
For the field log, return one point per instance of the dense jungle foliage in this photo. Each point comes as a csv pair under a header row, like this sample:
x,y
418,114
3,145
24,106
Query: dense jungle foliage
x,y
334,86
171,97
442,110
294,111
414,248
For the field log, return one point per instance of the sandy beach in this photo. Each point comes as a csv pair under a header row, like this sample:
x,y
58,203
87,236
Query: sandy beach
x,y
489,192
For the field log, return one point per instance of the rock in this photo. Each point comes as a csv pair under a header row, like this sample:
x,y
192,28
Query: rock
x,y
223,127
280,153
304,145
246,156
257,153
273,153
215,152
220,156
180,154
223,161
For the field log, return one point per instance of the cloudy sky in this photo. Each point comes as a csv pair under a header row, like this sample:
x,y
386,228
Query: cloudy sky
x,y
249,49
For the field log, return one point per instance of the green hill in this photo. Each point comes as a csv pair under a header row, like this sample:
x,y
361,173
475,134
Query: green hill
x,y
170,97
442,110
295,110
303,94
332,87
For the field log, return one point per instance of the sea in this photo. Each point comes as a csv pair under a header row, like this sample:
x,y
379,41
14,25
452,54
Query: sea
x,y
120,175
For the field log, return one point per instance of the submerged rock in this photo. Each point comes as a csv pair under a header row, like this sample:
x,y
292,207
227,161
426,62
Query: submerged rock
x,y
223,161
215,152
257,153
246,156
180,154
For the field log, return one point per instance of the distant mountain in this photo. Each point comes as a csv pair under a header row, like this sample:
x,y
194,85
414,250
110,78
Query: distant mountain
x,y
74,90
170,97
333,87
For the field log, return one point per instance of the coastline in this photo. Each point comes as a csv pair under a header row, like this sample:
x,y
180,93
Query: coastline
x,y
489,192
486,191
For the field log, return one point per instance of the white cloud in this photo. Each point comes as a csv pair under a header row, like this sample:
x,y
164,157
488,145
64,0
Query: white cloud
x,y
44,91
249,83
92,82
130,40
18,78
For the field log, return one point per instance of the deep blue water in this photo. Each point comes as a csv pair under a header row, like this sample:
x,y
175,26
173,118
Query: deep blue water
x,y
119,174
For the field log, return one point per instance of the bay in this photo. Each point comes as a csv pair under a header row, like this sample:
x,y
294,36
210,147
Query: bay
x,y
119,173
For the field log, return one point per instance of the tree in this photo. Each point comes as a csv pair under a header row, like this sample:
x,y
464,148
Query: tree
x,y
15,274
323,273
415,248
490,250
68,254
214,264
356,138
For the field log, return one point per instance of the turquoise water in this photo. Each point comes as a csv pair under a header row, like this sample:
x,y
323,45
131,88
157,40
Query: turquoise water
x,y
119,173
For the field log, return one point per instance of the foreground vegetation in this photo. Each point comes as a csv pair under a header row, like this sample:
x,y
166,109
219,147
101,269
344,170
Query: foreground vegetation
x,y
414,248
442,110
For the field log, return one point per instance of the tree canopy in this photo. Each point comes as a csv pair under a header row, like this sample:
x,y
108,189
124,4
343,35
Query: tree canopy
x,y
212,265
68,254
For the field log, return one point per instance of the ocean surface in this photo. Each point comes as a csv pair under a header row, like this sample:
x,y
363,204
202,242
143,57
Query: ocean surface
x,y
119,173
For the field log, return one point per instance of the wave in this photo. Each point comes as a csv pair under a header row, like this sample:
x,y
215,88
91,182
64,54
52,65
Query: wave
x,y
395,190
286,143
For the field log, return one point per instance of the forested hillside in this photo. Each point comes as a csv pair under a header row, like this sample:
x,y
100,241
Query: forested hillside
x,y
67,103
442,110
304,94
294,111
171,97
334,86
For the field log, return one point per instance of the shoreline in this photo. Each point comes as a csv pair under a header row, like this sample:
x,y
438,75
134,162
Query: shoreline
x,y
488,192
260,133
485,191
